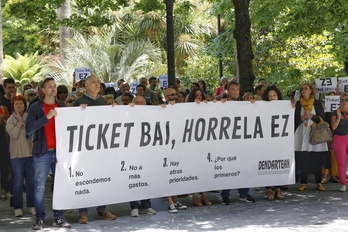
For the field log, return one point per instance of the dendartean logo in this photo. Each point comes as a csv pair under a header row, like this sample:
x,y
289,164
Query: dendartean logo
x,y
274,164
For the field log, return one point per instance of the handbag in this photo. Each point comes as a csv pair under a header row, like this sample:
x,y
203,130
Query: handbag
x,y
320,133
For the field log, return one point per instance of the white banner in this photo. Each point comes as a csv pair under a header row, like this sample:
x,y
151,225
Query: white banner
x,y
109,155
343,84
332,103
326,85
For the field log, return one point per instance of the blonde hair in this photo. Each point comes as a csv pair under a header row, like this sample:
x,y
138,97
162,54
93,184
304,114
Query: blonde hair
x,y
108,97
312,95
345,94
248,94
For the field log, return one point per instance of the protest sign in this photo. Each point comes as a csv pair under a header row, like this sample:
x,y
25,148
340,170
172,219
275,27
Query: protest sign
x,y
163,81
343,84
332,103
326,85
82,73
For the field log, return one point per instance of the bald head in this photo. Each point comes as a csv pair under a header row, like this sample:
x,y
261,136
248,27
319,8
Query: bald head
x,y
170,95
139,100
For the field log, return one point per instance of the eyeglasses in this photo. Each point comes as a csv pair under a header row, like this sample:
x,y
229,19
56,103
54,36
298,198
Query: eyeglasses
x,y
172,95
31,94
343,100
70,100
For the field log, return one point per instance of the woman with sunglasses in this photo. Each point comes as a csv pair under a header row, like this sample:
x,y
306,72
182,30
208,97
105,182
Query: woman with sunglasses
x,y
339,124
62,93
30,94
70,99
308,110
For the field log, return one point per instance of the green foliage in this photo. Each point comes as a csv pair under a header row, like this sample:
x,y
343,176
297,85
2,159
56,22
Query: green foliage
x,y
109,57
44,12
23,69
289,62
205,67
149,5
19,36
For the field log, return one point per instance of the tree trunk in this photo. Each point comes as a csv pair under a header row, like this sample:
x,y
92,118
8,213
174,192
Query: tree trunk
x,y
170,44
245,54
64,32
1,48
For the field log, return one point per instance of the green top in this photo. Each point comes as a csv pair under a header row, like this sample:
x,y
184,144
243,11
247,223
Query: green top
x,y
86,99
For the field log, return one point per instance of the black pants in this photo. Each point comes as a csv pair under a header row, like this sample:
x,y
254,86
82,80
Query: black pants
x,y
4,161
306,159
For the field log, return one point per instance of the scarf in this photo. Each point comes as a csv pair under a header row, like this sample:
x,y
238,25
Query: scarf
x,y
307,105
15,118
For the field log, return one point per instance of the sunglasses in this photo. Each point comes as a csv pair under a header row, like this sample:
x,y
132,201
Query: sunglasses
x,y
31,94
70,101
343,100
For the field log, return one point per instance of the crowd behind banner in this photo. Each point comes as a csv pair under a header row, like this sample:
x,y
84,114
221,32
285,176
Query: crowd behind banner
x,y
27,133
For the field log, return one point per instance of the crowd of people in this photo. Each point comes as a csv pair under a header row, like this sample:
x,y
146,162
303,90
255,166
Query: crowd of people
x,y
28,143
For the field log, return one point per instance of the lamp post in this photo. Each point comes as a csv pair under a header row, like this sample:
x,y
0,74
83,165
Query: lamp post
x,y
170,43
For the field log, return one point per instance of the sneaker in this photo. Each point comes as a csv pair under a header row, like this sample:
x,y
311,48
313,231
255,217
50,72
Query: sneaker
x,y
343,188
18,213
104,214
61,222
83,218
226,201
135,213
172,209
178,205
32,211
247,198
38,224
149,211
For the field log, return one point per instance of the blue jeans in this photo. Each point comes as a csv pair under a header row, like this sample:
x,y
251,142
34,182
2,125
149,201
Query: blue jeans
x,y
42,165
23,167
242,192
145,204
99,209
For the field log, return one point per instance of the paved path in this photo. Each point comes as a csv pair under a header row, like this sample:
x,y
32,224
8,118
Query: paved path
x,y
309,210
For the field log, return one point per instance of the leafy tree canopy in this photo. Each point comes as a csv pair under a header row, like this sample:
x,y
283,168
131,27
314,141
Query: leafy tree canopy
x,y
44,12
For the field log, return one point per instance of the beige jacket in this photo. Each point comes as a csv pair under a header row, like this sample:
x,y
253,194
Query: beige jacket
x,y
20,146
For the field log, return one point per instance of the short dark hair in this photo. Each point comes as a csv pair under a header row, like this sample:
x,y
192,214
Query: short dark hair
x,y
9,81
258,88
62,89
110,90
261,79
141,87
152,78
232,83
47,79
270,88
129,95
26,85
